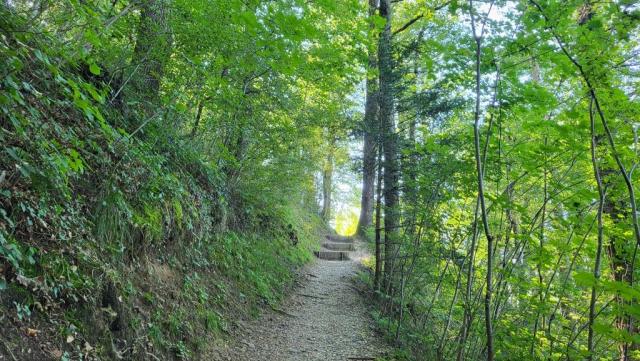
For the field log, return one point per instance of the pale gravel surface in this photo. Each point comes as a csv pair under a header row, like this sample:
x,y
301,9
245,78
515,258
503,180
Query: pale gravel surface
x,y
325,318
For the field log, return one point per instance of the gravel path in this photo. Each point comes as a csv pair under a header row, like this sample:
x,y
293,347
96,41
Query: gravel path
x,y
325,318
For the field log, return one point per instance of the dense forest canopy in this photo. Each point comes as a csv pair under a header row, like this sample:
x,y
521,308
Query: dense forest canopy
x,y
499,147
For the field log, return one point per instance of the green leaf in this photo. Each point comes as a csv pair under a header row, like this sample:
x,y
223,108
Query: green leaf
x,y
379,21
92,38
584,279
94,69
453,6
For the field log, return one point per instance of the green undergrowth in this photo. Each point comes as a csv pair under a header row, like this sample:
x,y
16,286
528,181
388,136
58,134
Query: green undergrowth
x,y
384,312
114,246
384,324
172,305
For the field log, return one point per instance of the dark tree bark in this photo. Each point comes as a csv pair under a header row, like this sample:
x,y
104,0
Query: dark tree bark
x,y
378,270
389,145
370,136
620,259
619,252
196,123
152,50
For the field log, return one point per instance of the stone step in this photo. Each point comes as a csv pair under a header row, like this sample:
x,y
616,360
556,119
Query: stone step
x,y
338,246
339,239
332,255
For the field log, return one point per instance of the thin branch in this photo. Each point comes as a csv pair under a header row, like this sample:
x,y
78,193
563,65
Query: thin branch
x,y
418,17
408,24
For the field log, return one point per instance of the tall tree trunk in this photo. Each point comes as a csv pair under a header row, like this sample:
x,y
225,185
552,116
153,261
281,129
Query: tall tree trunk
x,y
389,144
620,255
370,135
151,52
378,270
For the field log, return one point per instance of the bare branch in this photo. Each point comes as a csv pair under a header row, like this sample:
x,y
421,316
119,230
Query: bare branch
x,y
408,24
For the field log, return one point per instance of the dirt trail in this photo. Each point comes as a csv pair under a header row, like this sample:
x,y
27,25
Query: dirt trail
x,y
325,318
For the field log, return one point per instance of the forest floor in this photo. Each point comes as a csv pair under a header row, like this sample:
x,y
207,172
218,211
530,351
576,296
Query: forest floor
x,y
326,317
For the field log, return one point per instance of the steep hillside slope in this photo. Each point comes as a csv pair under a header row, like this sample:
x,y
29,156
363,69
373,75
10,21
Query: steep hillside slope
x,y
125,244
